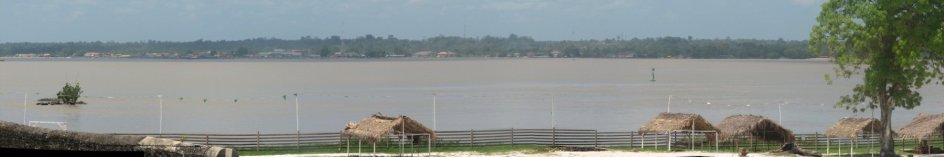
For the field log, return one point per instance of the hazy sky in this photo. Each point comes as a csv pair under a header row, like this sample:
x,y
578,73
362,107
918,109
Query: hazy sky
x,y
187,20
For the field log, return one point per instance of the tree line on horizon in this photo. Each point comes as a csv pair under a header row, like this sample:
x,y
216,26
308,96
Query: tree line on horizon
x,y
489,46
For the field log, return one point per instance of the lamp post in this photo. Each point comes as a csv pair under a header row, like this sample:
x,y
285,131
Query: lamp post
x,y
25,101
296,113
668,106
780,113
161,120
434,111
553,123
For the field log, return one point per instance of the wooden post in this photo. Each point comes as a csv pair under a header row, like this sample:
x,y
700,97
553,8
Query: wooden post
x,y
512,137
642,145
752,143
631,139
553,136
208,140
839,149
429,144
827,145
257,140
669,139
692,136
472,138
348,148
595,141
816,141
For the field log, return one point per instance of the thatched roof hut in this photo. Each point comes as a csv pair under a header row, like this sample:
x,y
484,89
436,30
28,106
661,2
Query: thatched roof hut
x,y
923,125
377,126
668,122
850,127
756,126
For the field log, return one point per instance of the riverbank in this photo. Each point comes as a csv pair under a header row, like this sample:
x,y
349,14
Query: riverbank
x,y
557,154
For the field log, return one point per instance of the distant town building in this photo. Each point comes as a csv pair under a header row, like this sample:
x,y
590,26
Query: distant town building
x,y
297,52
423,54
555,54
275,53
444,54
92,54
30,55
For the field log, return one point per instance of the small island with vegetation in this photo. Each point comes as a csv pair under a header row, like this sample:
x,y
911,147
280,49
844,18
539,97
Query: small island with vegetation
x,y
68,95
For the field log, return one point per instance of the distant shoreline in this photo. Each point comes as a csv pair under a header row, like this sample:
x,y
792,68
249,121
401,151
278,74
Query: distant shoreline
x,y
87,59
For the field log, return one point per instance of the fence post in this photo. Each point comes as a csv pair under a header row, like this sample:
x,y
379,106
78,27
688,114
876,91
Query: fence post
x,y
642,143
512,137
429,144
348,148
717,141
630,139
816,141
341,140
554,136
752,143
208,140
671,135
472,138
257,140
595,141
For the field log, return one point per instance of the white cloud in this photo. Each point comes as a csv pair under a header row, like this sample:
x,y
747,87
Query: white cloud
x,y
809,2
515,5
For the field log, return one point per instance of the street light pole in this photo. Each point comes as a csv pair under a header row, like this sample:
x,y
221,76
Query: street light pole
x,y
161,120
296,113
25,101
553,123
668,106
780,115
434,111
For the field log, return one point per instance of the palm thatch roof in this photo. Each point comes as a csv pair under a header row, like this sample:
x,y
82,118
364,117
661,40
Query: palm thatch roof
x,y
923,125
851,126
668,122
756,126
377,126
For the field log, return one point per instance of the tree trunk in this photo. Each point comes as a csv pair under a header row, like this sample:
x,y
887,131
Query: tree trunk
x,y
887,141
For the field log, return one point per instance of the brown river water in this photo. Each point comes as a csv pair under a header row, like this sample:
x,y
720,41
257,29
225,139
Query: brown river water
x,y
245,96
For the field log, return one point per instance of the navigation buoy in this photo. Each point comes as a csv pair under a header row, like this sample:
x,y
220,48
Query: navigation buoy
x,y
653,79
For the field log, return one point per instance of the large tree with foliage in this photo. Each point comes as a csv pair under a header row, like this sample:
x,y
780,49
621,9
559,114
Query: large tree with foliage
x,y
896,46
70,94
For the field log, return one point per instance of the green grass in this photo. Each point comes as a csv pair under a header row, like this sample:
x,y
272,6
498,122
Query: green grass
x,y
492,149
